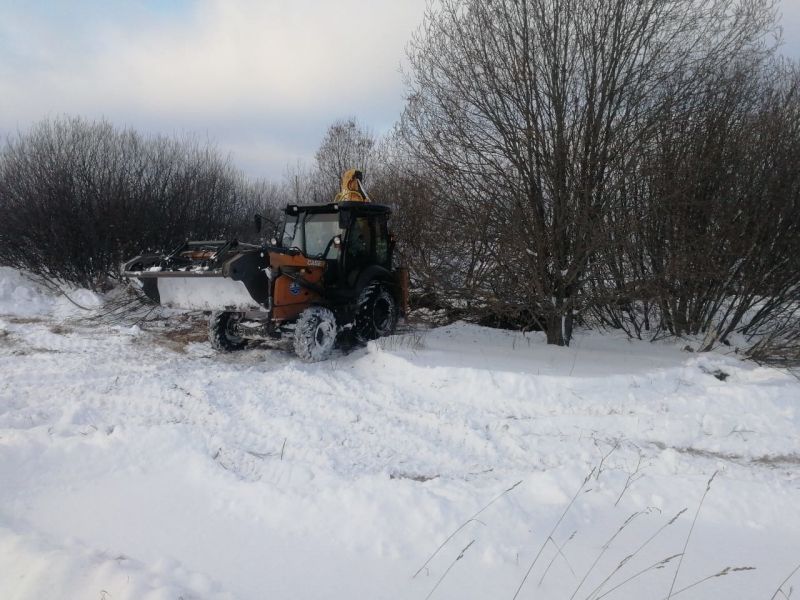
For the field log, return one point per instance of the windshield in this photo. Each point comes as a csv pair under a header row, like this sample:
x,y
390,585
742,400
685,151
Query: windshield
x,y
311,233
289,231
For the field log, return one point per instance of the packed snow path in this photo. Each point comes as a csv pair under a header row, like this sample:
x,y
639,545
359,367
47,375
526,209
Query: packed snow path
x,y
140,464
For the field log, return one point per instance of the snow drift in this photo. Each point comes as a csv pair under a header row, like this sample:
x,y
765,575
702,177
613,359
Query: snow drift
x,y
136,463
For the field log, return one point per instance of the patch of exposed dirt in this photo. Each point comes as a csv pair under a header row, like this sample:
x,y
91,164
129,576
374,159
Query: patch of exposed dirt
x,y
22,320
59,329
178,339
718,373
776,460
412,476
34,350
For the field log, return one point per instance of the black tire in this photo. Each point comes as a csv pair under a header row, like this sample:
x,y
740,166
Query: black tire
x,y
315,334
376,313
220,333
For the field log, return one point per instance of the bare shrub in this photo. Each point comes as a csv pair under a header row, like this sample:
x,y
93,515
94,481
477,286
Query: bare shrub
x,y
603,159
77,197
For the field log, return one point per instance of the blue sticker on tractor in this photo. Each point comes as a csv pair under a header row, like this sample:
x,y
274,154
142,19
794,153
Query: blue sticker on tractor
x,y
294,289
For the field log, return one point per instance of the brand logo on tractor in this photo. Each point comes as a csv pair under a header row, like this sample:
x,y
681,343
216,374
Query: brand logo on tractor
x,y
294,289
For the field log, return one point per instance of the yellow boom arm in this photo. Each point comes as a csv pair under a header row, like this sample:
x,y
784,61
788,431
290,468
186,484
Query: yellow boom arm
x,y
352,190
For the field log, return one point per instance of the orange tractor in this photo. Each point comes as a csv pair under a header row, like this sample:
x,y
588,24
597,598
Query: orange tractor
x,y
330,272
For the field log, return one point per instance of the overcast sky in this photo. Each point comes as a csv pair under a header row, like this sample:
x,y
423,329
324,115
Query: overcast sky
x,y
261,78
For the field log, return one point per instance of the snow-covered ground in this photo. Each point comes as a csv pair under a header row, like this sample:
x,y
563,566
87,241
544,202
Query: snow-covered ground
x,y
137,463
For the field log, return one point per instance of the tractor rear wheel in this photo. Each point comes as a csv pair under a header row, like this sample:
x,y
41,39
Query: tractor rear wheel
x,y
220,331
315,334
376,312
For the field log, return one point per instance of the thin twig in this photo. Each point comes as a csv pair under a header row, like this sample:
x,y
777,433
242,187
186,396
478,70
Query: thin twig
x,y
605,547
605,457
632,477
464,524
783,583
691,529
560,552
452,564
63,293
628,558
657,565
574,359
552,531
722,573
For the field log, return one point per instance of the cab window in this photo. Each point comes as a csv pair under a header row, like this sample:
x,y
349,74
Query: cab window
x,y
381,232
360,242
320,229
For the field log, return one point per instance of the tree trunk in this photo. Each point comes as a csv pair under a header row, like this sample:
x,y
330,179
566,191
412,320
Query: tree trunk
x,y
558,329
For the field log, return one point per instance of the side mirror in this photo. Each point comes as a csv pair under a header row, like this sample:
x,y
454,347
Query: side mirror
x,y
259,222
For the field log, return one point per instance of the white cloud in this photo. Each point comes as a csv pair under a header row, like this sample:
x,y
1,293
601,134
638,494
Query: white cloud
x,y
263,78
215,66
287,57
790,22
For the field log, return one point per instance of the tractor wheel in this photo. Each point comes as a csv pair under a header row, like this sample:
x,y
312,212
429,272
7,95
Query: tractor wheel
x,y
315,334
376,313
220,331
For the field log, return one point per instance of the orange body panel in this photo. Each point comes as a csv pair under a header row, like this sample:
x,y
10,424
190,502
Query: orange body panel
x,y
276,259
199,254
290,298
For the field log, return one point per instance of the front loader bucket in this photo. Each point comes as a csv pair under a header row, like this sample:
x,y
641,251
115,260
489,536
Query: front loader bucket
x,y
235,282
199,292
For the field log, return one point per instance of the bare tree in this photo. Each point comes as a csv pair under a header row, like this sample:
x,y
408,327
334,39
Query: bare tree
x,y
441,252
705,223
300,184
346,145
525,108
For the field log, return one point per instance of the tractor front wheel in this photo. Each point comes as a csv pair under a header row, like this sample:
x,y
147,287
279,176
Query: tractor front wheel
x,y
221,333
376,313
315,334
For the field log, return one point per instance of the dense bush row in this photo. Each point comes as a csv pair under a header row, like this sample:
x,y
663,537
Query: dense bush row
x,y
78,197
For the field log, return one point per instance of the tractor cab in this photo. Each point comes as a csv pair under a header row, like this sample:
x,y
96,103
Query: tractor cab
x,y
349,236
